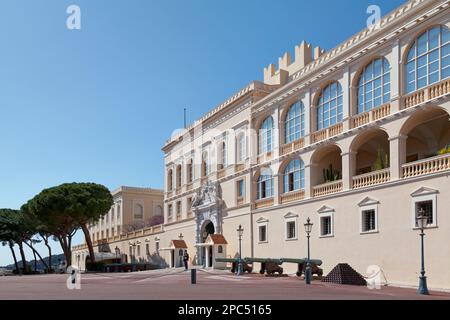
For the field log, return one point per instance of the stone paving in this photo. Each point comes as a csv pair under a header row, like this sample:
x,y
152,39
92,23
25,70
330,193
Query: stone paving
x,y
175,285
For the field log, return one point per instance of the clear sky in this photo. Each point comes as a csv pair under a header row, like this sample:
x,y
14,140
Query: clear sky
x,y
97,104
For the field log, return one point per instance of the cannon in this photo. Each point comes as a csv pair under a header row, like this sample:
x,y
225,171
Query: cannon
x,y
268,266
246,267
301,265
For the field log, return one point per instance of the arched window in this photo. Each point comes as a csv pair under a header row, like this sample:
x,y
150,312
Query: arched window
x,y
158,211
329,109
179,176
169,180
241,152
138,212
428,59
294,176
190,173
265,135
374,88
294,126
265,184
224,154
205,165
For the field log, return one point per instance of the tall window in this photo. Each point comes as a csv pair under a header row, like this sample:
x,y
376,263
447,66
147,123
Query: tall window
x,y
224,154
169,210
169,180
179,176
138,212
189,171
290,230
205,165
265,135
294,176
295,122
241,148
265,184
329,110
428,59
374,87
240,189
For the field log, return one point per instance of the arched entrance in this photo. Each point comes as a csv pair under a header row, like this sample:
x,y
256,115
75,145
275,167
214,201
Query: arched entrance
x,y
207,229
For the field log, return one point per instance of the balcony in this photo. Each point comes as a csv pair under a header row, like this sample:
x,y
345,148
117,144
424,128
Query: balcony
x,y
293,146
264,203
189,186
426,166
327,188
292,196
373,115
240,201
327,133
264,157
371,178
239,167
440,89
221,173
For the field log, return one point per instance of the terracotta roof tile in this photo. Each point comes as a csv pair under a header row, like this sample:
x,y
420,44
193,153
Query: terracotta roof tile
x,y
218,239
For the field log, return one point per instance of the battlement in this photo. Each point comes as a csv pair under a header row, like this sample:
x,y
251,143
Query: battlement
x,y
304,54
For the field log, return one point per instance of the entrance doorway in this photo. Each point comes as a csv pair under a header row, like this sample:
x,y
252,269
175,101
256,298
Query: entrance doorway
x,y
207,257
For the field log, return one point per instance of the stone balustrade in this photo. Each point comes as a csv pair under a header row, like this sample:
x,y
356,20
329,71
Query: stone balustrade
x,y
371,178
426,166
292,196
440,89
327,188
264,203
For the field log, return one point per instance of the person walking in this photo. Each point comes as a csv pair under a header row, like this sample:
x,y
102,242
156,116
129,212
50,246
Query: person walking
x,y
186,259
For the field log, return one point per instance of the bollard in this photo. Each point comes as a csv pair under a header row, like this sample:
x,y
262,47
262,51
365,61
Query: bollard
x,y
193,276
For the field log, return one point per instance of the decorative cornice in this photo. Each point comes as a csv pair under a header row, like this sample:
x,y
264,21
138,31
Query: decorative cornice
x,y
329,63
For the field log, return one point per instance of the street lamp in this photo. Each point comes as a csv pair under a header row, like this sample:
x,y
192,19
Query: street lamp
x,y
240,232
180,236
308,227
117,250
422,221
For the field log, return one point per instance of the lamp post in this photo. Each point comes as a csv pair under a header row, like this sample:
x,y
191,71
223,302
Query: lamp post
x,y
180,236
308,227
240,232
422,221
117,250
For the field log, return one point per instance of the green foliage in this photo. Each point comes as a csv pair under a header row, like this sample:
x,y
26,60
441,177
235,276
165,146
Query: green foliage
x,y
95,266
444,150
330,174
381,161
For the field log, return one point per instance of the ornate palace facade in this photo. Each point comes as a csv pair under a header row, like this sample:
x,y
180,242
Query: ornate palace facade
x,y
357,139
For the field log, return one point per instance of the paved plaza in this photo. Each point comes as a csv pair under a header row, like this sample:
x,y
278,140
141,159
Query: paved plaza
x,y
175,284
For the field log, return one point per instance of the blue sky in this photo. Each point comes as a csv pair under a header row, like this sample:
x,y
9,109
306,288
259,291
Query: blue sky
x,y
97,104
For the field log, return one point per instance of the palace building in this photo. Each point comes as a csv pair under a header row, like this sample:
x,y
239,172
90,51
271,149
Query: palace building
x,y
356,138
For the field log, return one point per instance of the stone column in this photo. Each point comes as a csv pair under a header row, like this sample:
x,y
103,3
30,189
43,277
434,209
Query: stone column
x,y
207,257
348,169
308,183
395,77
397,157
346,98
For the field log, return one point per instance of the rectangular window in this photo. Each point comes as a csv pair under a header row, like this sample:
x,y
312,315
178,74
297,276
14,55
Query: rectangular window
x,y
262,233
325,226
139,250
290,230
178,207
426,207
170,210
240,189
157,246
147,249
368,220
118,230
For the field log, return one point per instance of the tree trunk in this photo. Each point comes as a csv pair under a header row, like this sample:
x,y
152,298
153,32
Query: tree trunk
x,y
35,262
35,252
87,237
24,260
11,246
49,254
